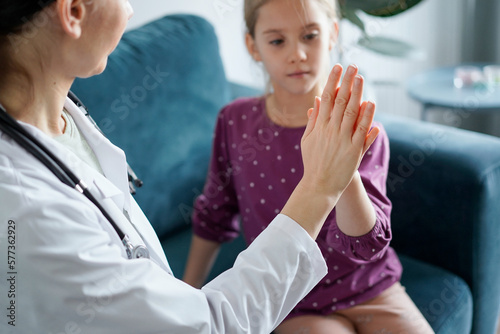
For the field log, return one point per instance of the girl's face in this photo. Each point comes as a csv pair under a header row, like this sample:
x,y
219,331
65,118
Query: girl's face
x,y
293,39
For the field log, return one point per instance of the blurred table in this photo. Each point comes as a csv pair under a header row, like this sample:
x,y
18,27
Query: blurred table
x,y
435,89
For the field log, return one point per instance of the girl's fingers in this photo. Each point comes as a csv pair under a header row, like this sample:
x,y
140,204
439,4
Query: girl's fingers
x,y
330,93
362,136
309,112
342,99
372,135
310,123
353,111
361,113
370,138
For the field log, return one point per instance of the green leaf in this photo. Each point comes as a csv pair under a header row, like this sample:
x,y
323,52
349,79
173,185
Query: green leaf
x,y
351,15
382,8
391,47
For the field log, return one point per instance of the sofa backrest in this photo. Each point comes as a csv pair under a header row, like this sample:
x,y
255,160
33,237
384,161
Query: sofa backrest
x,y
157,100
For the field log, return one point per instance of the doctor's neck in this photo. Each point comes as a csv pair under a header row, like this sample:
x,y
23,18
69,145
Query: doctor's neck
x,y
40,106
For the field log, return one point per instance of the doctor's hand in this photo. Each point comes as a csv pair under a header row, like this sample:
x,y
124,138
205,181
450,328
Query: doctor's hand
x,y
336,137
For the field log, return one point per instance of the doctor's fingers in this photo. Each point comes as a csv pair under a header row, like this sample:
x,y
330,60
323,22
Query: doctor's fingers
x,y
352,111
341,113
329,94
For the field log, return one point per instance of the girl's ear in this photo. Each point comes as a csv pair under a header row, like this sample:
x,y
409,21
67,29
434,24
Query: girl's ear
x,y
71,14
334,34
252,48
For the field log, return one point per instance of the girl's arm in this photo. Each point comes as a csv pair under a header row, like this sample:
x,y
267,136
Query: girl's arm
x,y
354,211
202,256
364,203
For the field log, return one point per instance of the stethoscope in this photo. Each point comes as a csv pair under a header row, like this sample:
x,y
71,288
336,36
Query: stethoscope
x,y
15,131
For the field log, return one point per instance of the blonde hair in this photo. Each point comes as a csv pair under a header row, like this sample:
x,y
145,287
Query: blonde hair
x,y
251,11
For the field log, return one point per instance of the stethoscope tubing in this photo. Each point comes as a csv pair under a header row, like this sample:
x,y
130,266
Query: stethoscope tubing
x,y
31,144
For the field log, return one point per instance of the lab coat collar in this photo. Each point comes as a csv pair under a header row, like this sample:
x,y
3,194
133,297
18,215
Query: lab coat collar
x,y
111,158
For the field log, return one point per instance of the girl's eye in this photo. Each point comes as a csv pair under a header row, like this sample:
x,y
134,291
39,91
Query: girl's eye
x,y
276,42
311,36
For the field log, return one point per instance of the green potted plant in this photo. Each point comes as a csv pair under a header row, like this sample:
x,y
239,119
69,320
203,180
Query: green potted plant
x,y
350,9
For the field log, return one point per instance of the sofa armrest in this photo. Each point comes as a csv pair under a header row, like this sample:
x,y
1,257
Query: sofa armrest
x,y
444,184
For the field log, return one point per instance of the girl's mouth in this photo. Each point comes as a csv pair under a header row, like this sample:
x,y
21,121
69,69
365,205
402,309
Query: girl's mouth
x,y
298,74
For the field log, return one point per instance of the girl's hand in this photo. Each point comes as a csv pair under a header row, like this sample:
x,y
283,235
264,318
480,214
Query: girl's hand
x,y
337,134
334,142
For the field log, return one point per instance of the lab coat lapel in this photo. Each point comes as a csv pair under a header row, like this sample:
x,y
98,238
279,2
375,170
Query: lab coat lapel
x,y
111,158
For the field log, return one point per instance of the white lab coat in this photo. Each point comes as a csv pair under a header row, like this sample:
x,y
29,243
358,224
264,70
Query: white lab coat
x,y
68,271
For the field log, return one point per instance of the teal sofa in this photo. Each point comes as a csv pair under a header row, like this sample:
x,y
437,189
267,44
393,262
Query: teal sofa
x,y
158,100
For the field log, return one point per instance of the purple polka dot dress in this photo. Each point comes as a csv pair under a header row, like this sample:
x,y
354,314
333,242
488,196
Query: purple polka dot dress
x,y
255,166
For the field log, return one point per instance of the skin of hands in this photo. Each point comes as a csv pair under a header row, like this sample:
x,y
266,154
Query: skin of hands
x,y
336,137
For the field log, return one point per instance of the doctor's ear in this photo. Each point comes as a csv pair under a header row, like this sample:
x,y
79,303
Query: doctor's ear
x,y
71,14
252,48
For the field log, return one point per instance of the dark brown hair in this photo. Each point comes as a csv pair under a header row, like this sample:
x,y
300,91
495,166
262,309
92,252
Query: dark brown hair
x,y
15,13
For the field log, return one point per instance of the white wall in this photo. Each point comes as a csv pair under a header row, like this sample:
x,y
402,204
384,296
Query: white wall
x,y
434,26
227,18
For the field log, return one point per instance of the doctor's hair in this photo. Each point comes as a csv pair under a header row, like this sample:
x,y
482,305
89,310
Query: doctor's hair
x,y
15,13
251,11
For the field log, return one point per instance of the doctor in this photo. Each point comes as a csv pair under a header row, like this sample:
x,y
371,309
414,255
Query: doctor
x,y
63,267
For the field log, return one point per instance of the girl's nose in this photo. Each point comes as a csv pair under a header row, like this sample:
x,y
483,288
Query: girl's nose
x,y
297,53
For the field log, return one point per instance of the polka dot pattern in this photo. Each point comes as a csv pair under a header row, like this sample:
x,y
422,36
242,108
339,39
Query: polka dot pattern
x,y
266,166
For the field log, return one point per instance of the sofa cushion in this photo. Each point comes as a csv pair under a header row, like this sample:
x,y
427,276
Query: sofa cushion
x,y
164,86
443,298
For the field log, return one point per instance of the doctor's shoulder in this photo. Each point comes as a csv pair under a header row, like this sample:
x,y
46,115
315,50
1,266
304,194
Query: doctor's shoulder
x,y
26,185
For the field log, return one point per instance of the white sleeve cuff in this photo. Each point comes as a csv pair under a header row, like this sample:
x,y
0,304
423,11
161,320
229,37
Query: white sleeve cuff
x,y
290,227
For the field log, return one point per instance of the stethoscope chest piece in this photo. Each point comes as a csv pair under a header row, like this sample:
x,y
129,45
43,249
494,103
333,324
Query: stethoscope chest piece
x,y
140,252
137,252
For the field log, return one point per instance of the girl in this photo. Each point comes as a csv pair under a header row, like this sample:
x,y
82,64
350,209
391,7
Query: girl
x,y
72,273
257,163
